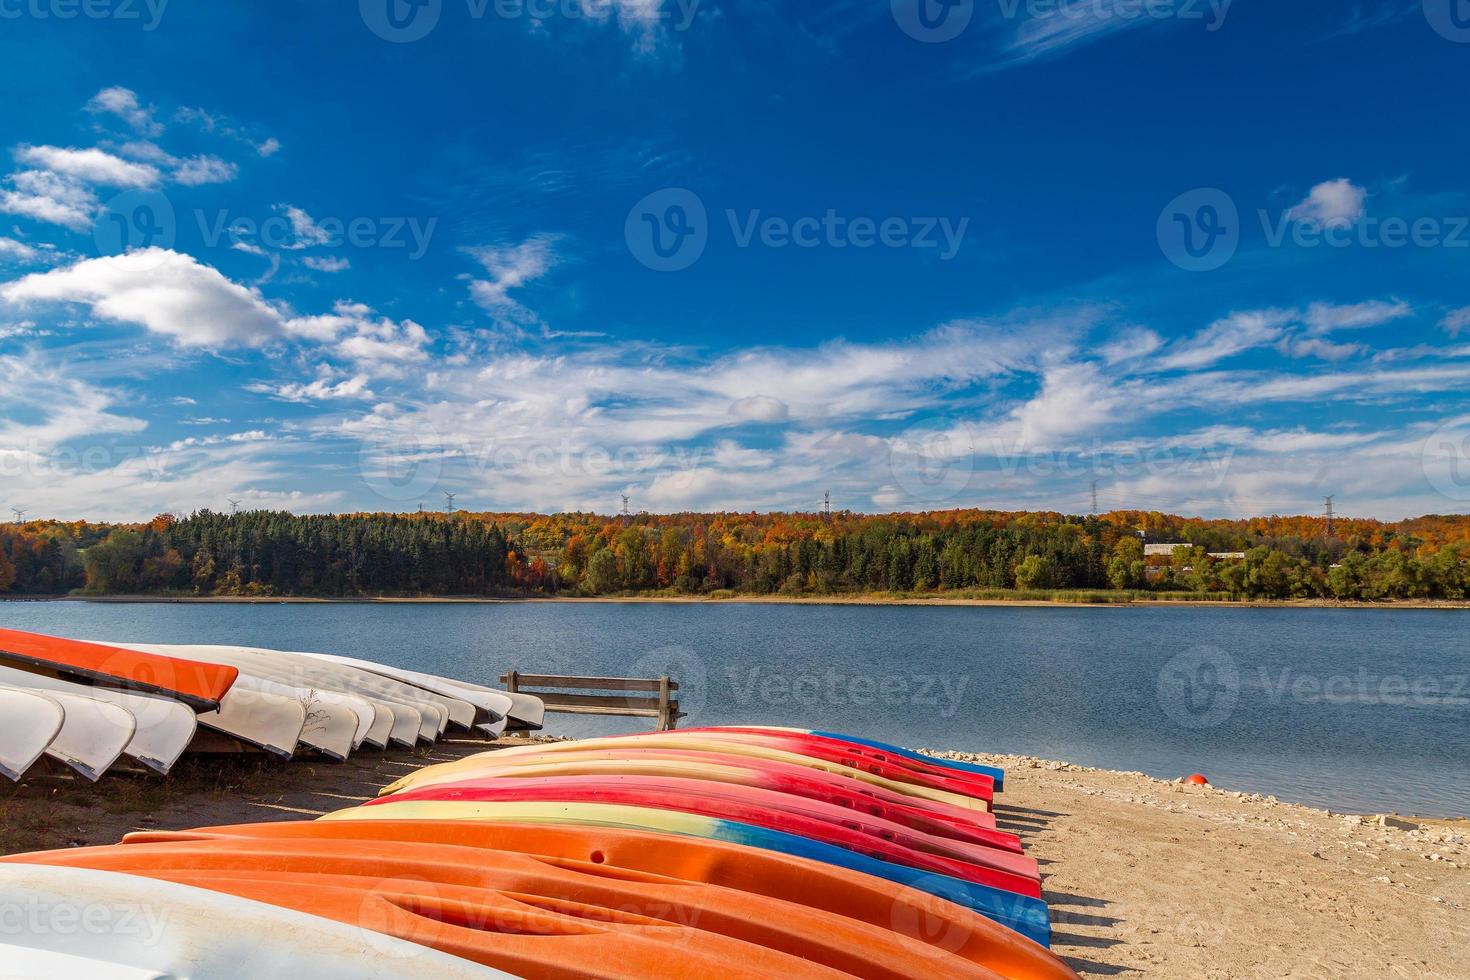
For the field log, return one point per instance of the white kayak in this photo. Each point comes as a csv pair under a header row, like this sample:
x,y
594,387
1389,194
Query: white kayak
x,y
492,707
434,711
93,733
164,726
109,926
29,721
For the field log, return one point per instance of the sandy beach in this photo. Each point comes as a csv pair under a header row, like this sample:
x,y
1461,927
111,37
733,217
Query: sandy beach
x,y
1145,877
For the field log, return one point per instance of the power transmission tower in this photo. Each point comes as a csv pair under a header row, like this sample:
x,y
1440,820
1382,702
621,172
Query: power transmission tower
x,y
827,506
627,516
1330,514
449,502
1094,498
20,515
234,506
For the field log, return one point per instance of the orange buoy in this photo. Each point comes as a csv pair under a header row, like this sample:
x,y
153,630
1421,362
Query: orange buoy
x,y
1197,780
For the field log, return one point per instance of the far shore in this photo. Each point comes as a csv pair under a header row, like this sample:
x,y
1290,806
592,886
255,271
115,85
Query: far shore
x,y
1101,601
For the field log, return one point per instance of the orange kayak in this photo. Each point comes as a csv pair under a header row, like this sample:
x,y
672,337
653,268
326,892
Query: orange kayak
x,y
941,928
200,685
499,892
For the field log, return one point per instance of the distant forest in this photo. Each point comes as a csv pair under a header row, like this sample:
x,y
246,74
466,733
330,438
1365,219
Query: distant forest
x,y
265,553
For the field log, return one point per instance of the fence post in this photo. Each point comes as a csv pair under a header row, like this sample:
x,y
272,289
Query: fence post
x,y
665,719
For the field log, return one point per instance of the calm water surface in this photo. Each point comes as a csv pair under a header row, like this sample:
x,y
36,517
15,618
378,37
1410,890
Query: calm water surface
x,y
1358,710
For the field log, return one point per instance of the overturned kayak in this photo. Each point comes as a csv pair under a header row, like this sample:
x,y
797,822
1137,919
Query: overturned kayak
x,y
919,916
201,685
1025,914
759,808
29,720
971,826
125,927
268,722
817,936
165,727
901,783
995,773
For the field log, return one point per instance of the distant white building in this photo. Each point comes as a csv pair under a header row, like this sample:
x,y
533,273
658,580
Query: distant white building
x,y
1167,551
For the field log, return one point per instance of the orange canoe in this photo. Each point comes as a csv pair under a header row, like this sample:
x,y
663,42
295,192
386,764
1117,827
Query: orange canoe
x,y
496,893
200,685
940,928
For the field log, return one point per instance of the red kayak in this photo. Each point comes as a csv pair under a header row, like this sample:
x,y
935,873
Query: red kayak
x,y
972,785
761,808
200,685
837,749
938,819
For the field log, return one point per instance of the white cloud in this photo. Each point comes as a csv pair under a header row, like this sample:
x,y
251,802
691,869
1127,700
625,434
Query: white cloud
x,y
326,263
21,252
1327,317
268,148
51,198
511,267
1456,321
165,292
124,104
1235,334
91,165
321,389
205,170
305,229
1334,203
1130,345
760,408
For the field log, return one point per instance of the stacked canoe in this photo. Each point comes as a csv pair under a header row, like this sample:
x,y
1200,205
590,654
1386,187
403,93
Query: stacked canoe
x,y
90,706
730,852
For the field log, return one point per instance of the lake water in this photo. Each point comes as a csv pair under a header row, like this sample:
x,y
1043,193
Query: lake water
x,y
1356,710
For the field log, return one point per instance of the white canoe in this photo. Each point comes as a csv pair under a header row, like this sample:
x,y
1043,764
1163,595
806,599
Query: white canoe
x,y
93,733
164,727
433,710
110,926
29,721
492,707
335,724
266,721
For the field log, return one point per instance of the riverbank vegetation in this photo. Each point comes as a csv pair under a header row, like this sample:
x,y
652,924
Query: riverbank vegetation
x,y
958,554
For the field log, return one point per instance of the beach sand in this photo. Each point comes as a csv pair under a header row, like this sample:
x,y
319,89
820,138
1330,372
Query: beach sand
x,y
1145,878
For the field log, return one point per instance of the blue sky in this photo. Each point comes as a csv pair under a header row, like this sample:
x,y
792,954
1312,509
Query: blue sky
x,y
1211,256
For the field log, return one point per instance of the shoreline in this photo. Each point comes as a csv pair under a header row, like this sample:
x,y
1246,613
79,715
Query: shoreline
x,y
1442,605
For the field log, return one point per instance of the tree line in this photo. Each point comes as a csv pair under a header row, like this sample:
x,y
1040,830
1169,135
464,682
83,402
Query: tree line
x,y
269,553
